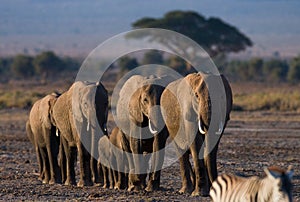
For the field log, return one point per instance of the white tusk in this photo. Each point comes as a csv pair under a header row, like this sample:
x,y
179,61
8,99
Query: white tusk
x,y
151,129
104,127
57,132
220,129
88,126
200,128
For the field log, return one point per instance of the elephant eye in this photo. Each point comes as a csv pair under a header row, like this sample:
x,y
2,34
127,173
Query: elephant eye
x,y
145,100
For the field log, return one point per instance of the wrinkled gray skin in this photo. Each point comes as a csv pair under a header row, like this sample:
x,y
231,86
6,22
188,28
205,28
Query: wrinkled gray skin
x,y
138,105
80,114
184,103
112,161
41,132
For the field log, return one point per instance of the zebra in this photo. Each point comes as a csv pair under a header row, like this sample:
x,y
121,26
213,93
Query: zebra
x,y
275,187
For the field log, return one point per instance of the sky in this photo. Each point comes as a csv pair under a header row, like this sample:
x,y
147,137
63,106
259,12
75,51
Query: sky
x,y
74,27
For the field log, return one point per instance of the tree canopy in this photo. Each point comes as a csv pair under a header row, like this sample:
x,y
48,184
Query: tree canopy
x,y
47,63
213,34
22,66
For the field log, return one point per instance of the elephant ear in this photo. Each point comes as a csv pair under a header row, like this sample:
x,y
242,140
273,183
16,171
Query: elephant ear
x,y
135,111
76,101
187,94
51,103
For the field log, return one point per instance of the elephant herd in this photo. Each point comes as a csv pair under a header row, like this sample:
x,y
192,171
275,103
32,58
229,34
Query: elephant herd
x,y
192,111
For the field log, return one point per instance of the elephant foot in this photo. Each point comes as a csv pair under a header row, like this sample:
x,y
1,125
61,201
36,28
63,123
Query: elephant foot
x,y
40,178
105,185
69,182
186,189
203,193
152,186
135,188
45,181
52,181
117,186
83,183
196,193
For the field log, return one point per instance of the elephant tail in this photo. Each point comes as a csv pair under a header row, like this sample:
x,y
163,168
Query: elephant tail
x,y
29,132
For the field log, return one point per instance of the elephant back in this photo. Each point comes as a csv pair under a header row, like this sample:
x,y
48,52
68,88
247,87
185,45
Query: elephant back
x,y
122,107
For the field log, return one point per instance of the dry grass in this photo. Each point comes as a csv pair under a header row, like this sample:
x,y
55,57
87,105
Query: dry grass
x,y
261,96
18,99
247,96
273,101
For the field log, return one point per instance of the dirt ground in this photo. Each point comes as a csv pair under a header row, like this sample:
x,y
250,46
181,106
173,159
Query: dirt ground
x,y
252,141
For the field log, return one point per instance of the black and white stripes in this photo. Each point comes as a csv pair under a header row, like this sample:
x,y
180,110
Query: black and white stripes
x,y
275,187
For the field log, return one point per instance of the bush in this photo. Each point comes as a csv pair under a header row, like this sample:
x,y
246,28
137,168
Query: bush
x,y
47,63
22,66
294,70
18,99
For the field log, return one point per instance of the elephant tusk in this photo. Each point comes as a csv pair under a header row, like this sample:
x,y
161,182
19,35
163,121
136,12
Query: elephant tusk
x,y
219,132
151,129
105,127
57,132
88,126
200,128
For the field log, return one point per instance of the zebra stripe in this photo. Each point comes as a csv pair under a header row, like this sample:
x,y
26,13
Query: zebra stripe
x,y
275,187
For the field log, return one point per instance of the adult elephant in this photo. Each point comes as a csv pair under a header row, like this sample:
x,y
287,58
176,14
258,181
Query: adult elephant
x,y
187,111
139,117
80,114
41,132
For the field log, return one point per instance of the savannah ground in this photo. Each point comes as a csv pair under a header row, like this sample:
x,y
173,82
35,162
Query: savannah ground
x,y
252,141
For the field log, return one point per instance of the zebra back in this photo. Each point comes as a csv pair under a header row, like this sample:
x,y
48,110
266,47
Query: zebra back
x,y
276,186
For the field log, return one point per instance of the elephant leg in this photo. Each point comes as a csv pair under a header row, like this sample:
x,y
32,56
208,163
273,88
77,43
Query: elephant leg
x,y
45,162
71,155
139,167
123,168
187,185
51,145
62,161
115,170
84,164
199,169
95,175
210,160
157,161
100,173
105,176
111,178
40,163
94,156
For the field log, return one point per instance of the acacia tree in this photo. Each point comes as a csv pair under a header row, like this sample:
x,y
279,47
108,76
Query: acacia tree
x,y
153,57
213,34
22,66
294,71
47,63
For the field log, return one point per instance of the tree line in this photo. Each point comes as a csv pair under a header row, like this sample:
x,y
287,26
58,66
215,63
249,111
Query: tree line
x,y
272,70
43,65
48,64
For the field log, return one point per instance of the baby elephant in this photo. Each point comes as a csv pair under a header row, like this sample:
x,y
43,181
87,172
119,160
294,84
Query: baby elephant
x,y
112,163
41,132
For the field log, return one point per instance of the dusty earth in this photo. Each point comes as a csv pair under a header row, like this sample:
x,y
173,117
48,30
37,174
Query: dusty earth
x,y
252,141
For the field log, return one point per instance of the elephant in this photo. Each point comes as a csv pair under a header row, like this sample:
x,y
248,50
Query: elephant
x,y
41,133
112,161
138,116
186,108
80,115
